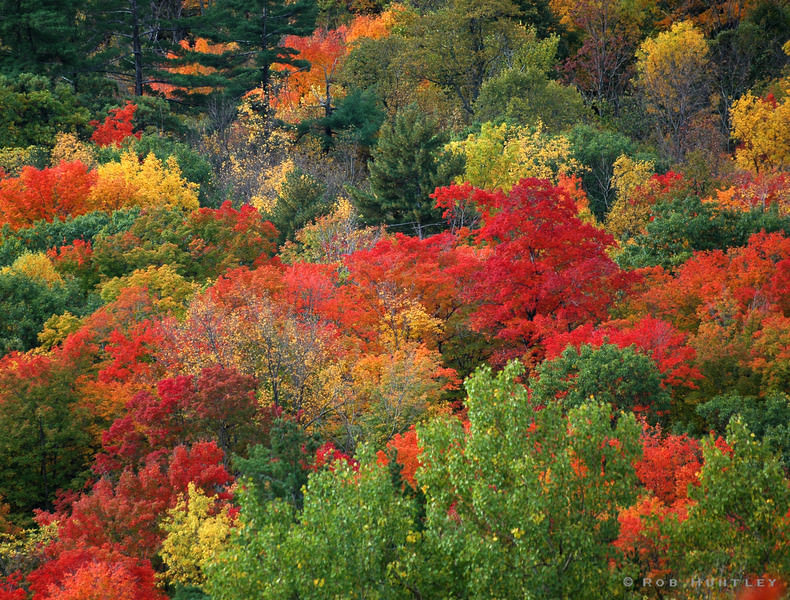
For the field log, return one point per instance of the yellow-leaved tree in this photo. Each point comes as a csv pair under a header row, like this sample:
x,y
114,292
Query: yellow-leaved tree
x,y
168,290
674,75
37,266
68,148
147,184
629,216
500,155
762,126
197,528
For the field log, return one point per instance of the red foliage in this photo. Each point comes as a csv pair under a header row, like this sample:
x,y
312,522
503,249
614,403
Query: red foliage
x,y
131,352
433,271
640,533
117,126
766,591
658,339
669,465
100,573
77,254
753,277
543,269
11,587
46,194
224,237
407,454
328,454
212,405
126,514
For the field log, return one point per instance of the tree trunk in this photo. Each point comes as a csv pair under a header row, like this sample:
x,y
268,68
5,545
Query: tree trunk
x,y
137,50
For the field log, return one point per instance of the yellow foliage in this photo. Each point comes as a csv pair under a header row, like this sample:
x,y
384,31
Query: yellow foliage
x,y
391,391
270,184
57,328
196,532
331,237
147,184
13,159
69,148
670,65
500,155
36,266
169,290
628,216
763,128
407,322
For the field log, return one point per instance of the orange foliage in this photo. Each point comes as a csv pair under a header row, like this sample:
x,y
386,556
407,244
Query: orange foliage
x,y
202,46
756,192
47,194
768,591
640,533
116,127
669,465
407,454
325,51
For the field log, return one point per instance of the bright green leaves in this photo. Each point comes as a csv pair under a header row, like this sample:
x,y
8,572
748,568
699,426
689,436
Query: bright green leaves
x,y
528,499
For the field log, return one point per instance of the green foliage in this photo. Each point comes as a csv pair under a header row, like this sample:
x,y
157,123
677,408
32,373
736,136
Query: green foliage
x,y
345,543
13,159
524,93
189,593
257,27
408,164
25,304
355,120
32,111
301,199
46,441
737,526
681,226
525,504
768,418
42,36
374,66
460,44
598,150
620,377
44,235
279,470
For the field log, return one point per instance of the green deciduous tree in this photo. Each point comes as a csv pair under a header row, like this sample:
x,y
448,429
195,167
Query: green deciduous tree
x,y
524,93
525,503
345,543
620,377
32,111
737,525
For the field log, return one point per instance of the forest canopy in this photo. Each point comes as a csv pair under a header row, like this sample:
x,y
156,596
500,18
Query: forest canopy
x,y
425,299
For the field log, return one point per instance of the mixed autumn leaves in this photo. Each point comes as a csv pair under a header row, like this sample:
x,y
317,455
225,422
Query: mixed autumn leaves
x,y
164,440
356,350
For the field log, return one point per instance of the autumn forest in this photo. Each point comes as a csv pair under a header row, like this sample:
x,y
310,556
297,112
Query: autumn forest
x,y
430,299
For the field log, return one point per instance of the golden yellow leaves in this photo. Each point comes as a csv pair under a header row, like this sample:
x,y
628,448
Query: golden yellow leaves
x,y
500,155
169,290
762,125
628,216
36,266
147,184
670,65
69,148
196,531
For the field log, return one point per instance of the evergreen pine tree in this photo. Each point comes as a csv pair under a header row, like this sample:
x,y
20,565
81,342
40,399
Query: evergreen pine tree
x,y
408,164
